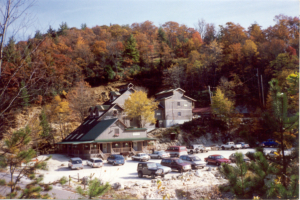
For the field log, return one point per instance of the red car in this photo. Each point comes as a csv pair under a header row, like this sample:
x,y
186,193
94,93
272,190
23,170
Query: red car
x,y
216,159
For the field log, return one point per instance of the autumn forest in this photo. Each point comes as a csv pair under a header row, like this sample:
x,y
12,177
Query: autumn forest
x,y
240,61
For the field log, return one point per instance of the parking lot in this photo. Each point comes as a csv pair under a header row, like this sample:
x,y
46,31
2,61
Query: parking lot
x,y
121,173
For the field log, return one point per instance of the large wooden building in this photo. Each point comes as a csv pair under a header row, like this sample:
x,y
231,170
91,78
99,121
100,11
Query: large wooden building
x,y
108,130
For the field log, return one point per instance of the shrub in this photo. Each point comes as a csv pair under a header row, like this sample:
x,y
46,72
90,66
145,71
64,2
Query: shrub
x,y
63,180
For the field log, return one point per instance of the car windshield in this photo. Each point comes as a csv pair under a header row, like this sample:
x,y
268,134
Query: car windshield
x,y
179,161
76,162
219,157
97,161
196,158
119,157
158,165
161,152
152,165
142,155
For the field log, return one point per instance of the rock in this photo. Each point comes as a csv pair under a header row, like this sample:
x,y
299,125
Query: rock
x,y
179,177
127,187
173,178
153,180
118,186
145,185
209,169
198,174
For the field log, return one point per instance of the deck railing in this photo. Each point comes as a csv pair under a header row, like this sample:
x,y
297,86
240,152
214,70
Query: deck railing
x,y
94,151
120,150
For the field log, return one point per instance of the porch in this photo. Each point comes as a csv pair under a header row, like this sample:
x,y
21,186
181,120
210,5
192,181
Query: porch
x,y
94,149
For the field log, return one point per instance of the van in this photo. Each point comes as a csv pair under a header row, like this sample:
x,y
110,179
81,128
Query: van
x,y
177,151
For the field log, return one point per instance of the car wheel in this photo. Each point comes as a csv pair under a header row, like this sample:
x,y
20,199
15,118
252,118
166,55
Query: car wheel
x,y
232,148
191,152
140,174
218,164
223,148
153,176
114,163
163,176
201,151
158,157
181,170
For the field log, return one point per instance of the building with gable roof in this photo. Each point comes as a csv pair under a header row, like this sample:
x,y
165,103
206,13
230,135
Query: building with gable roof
x,y
107,130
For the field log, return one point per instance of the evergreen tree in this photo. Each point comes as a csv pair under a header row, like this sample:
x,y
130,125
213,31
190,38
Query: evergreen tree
x,y
239,184
24,95
46,132
284,127
38,35
131,50
95,189
161,35
17,156
83,26
62,28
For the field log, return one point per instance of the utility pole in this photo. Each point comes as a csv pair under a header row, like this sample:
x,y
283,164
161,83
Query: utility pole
x,y
209,94
262,90
258,85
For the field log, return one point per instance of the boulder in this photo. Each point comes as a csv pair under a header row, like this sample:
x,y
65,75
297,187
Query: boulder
x,y
198,174
118,186
209,169
145,185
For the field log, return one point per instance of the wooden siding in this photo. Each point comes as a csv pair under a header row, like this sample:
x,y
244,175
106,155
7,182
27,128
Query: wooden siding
x,y
110,133
172,108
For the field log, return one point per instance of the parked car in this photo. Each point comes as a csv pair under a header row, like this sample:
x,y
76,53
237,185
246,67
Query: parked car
x,y
75,163
116,159
94,162
141,157
231,145
195,161
149,169
159,154
176,164
270,143
216,159
196,148
165,169
177,151
244,145
272,155
233,159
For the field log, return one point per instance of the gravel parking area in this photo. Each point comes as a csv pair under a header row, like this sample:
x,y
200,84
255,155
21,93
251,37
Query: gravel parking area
x,y
109,173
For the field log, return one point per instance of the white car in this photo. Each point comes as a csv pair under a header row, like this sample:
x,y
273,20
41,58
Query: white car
x,y
94,162
159,154
141,157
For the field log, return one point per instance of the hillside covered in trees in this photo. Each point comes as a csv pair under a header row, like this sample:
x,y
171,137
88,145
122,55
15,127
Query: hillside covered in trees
x,y
240,61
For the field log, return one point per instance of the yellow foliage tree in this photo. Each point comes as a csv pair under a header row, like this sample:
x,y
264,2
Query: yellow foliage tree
x,y
221,105
138,105
59,112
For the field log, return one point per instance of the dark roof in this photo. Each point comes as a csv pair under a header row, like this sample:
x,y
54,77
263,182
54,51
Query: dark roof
x,y
99,128
102,107
202,110
87,130
160,106
109,140
162,98
108,102
170,90
115,93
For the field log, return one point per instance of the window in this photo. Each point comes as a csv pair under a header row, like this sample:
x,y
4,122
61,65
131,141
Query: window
x,y
185,104
85,122
179,113
86,147
157,113
117,131
178,103
73,137
79,135
92,121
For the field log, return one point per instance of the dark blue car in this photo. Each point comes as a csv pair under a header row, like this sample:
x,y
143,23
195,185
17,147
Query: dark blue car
x,y
270,143
116,159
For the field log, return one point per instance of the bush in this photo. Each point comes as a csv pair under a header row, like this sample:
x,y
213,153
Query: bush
x,y
2,182
63,180
47,187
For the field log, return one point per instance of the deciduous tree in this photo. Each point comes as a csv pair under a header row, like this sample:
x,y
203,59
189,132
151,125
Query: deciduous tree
x,y
139,106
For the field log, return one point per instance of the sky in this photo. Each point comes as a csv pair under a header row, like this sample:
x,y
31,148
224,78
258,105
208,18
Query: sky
x,y
105,12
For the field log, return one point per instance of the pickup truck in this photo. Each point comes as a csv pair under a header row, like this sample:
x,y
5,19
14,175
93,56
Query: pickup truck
x,y
196,148
244,145
231,145
270,143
